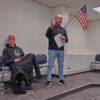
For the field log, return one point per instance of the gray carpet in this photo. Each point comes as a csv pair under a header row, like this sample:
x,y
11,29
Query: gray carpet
x,y
42,92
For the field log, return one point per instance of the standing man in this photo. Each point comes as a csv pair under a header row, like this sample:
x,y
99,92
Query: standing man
x,y
56,51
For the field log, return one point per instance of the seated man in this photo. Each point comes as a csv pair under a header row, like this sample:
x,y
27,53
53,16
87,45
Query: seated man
x,y
20,65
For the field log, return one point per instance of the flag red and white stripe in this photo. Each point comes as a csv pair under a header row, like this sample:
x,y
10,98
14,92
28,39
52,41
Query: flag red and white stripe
x,y
82,17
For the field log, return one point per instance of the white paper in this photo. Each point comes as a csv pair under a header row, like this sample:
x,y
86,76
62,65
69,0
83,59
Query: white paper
x,y
58,41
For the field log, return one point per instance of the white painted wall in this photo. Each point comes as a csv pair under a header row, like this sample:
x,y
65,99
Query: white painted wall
x,y
28,20
76,63
64,11
77,59
77,38
94,37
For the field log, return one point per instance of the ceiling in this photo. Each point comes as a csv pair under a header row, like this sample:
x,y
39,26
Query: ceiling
x,y
74,5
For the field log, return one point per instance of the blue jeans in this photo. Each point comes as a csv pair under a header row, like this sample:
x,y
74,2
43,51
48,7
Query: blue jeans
x,y
60,59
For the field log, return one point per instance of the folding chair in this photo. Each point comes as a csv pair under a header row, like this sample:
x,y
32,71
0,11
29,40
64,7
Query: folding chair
x,y
95,65
42,61
3,69
1,72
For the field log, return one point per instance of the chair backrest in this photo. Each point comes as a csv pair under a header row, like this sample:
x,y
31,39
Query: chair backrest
x,y
41,58
97,57
1,63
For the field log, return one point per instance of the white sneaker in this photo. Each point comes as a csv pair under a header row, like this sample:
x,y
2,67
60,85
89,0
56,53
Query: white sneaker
x,y
29,92
48,84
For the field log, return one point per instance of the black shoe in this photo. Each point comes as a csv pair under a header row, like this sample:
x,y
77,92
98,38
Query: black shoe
x,y
62,82
48,83
28,88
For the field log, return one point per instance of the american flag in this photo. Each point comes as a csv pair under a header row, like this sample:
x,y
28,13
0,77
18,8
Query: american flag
x,y
82,17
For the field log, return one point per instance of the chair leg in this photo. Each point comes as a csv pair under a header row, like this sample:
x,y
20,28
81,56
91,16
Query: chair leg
x,y
2,77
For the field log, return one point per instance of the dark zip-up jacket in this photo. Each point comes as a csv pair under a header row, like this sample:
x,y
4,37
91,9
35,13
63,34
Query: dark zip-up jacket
x,y
51,33
9,54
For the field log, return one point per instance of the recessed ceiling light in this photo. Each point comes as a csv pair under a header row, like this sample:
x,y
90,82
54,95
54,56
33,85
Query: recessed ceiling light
x,y
97,9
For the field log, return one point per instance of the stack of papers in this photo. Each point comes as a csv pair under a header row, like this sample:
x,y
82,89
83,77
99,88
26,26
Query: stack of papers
x,y
58,41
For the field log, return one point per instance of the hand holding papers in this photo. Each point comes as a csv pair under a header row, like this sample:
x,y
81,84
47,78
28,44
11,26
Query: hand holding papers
x,y
60,40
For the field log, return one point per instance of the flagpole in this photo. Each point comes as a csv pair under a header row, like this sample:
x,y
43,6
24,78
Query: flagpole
x,y
69,21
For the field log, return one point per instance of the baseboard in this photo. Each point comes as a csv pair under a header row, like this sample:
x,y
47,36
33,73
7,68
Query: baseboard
x,y
69,72
75,72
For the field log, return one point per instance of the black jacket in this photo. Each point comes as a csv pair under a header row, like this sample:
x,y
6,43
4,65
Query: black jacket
x,y
9,54
51,33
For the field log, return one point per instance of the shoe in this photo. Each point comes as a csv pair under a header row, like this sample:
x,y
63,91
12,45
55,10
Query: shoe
x,y
28,87
48,83
30,92
62,82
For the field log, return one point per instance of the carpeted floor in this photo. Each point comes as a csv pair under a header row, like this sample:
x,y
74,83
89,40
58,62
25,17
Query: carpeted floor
x,y
42,92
